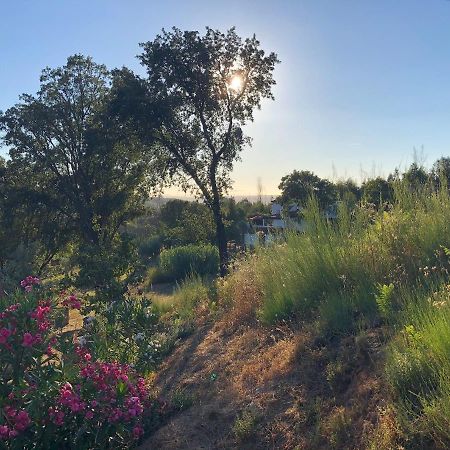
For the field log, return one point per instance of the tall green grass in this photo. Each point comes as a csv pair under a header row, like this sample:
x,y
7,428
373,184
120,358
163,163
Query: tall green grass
x,y
336,268
418,365
372,267
189,294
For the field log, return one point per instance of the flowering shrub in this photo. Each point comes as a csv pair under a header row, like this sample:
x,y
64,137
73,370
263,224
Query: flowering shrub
x,y
129,331
53,394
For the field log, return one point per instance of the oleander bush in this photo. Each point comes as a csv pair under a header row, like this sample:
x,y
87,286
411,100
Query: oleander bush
x,y
54,393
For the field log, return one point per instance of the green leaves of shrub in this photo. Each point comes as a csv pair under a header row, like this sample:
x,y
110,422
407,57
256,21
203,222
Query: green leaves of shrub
x,y
383,299
178,262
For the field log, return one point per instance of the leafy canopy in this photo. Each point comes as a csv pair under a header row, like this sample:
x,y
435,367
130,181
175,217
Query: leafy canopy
x,y
70,156
190,104
299,186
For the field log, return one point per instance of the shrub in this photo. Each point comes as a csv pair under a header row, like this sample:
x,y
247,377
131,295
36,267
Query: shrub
x,y
336,429
245,425
107,268
178,262
127,331
150,247
53,393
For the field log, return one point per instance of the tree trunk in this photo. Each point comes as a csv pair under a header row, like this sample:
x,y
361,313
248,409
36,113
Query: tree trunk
x,y
221,239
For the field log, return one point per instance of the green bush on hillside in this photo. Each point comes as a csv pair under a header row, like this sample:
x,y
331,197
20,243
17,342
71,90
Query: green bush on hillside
x,y
179,262
150,247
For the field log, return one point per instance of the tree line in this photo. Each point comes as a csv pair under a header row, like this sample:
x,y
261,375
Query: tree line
x,y
298,186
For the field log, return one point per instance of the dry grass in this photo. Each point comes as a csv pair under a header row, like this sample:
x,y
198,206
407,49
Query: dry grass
x,y
387,432
270,364
278,375
241,295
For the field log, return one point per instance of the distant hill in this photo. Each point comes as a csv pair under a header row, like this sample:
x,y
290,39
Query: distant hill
x,y
157,202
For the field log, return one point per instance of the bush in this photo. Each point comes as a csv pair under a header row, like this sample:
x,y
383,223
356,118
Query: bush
x,y
127,331
53,393
107,269
150,247
178,262
245,425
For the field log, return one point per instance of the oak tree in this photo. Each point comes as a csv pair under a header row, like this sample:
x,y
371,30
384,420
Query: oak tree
x,y
199,92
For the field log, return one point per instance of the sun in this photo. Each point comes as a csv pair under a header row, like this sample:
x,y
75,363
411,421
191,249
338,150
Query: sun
x,y
236,83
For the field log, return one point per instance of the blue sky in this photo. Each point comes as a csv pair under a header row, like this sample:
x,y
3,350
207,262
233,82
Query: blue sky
x,y
362,83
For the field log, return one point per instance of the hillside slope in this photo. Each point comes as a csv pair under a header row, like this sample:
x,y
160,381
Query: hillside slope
x,y
261,388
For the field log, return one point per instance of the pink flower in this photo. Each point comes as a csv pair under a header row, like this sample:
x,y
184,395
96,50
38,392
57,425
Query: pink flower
x,y
28,340
89,415
4,432
138,431
56,416
28,283
72,302
5,333
22,420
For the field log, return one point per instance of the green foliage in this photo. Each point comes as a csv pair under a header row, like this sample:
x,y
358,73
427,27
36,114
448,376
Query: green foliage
x,y
416,176
300,186
73,174
190,294
418,365
150,247
106,269
339,269
377,191
194,225
348,191
182,400
16,265
244,425
179,222
128,331
179,262
384,299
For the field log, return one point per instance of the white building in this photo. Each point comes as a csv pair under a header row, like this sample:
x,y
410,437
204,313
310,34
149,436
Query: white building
x,y
264,228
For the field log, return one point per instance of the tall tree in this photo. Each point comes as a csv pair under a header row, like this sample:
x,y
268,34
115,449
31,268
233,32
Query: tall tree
x,y
299,186
440,172
377,191
416,176
200,92
73,159
348,191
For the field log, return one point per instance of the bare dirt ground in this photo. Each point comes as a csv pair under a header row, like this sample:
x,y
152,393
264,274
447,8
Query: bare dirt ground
x,y
280,379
